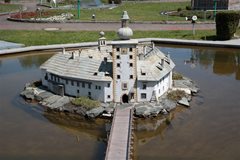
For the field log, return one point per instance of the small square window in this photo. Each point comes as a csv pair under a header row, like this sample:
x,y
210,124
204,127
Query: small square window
x,y
118,56
143,95
143,73
118,65
109,96
118,76
130,57
130,49
118,49
130,64
131,76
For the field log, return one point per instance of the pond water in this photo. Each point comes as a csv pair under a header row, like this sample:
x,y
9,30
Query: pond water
x,y
28,132
210,129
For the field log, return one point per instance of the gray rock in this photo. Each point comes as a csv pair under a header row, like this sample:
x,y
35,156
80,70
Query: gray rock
x,y
141,111
43,95
168,104
94,112
109,110
164,111
155,111
184,101
28,93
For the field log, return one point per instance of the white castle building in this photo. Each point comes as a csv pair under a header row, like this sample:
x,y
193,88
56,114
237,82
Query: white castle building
x,y
118,71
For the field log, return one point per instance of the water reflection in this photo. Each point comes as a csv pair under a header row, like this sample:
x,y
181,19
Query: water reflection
x,y
78,125
223,62
32,60
209,129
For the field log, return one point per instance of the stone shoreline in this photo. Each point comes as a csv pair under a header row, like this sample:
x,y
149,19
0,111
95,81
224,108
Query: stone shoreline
x,y
147,109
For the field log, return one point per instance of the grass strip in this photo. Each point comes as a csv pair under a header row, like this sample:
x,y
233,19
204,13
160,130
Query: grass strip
x,y
33,38
9,7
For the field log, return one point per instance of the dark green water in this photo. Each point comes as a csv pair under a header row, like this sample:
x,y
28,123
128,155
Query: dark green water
x,y
210,129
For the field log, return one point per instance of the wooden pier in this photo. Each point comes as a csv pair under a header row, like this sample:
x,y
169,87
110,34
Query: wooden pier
x,y
119,142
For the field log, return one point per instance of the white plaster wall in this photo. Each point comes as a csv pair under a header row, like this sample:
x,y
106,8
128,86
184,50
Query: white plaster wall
x,y
148,90
124,71
163,85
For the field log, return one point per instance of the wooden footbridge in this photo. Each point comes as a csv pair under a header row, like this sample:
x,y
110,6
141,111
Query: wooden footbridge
x,y
120,139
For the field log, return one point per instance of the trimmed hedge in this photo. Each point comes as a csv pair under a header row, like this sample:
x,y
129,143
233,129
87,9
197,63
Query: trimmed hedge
x,y
226,24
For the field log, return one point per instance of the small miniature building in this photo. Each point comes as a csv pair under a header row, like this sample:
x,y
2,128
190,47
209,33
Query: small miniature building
x,y
220,4
118,71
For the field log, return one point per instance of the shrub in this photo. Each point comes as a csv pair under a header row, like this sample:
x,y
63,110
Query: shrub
x,y
176,95
179,9
226,24
85,102
115,1
188,8
177,76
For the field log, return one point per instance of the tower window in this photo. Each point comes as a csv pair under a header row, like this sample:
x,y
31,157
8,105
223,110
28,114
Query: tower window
x,y
143,95
144,86
118,56
118,49
130,49
109,96
130,57
131,76
130,64
118,76
124,86
118,65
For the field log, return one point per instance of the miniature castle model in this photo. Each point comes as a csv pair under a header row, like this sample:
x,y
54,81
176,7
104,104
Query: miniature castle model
x,y
118,71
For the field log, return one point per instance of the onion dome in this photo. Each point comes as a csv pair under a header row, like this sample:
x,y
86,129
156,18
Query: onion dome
x,y
124,33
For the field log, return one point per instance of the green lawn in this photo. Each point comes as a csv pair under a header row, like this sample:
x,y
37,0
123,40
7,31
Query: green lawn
x,y
9,7
32,38
137,12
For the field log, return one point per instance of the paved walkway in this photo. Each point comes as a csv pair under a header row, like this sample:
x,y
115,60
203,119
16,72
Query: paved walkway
x,y
9,25
119,143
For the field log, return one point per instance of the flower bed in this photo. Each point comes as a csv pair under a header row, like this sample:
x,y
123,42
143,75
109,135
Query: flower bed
x,y
29,15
